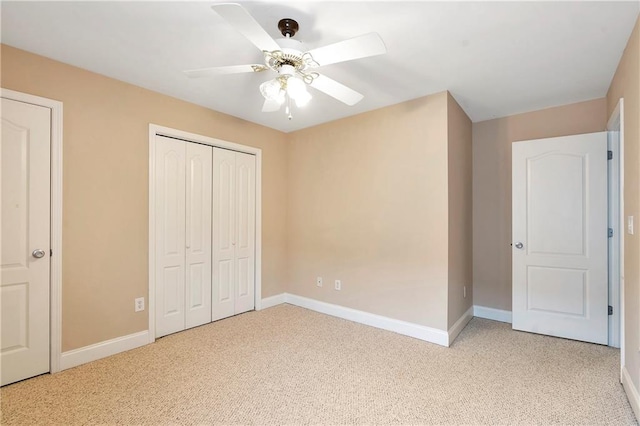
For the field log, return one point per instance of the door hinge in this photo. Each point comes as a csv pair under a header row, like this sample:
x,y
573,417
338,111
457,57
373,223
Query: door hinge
x,y
609,155
50,252
610,232
610,310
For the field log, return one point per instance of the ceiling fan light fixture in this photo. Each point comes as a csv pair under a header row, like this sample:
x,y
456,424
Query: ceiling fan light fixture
x,y
297,90
272,89
302,99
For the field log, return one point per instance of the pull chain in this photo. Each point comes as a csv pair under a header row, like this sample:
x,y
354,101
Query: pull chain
x,y
288,109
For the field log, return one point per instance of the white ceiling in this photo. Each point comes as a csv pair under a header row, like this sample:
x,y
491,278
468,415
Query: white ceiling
x,y
496,58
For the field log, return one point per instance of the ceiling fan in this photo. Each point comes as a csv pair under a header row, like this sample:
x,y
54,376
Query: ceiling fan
x,y
295,67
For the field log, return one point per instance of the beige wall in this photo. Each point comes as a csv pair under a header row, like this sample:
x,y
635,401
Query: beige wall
x,y
105,172
368,205
626,84
379,200
492,187
363,200
460,211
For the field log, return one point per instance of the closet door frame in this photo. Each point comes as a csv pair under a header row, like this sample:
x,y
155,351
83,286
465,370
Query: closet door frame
x,y
156,130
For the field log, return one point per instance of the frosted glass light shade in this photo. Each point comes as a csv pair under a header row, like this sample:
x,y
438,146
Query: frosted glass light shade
x,y
296,87
271,90
281,96
302,99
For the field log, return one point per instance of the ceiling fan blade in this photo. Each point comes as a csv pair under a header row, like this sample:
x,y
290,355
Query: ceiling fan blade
x,y
270,105
336,90
355,48
240,19
233,69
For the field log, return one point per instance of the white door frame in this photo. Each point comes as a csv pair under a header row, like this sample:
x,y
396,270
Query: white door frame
x,y
616,206
156,130
55,272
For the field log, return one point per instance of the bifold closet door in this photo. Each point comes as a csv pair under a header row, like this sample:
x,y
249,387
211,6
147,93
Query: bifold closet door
x,y
234,188
170,235
183,235
198,235
245,232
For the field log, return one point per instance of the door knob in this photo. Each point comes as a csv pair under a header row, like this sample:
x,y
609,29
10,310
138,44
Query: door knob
x,y
38,253
519,245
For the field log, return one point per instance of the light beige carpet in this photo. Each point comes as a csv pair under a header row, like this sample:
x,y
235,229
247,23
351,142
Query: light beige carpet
x,y
288,365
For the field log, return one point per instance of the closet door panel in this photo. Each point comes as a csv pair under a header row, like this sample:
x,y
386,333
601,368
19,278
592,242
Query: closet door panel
x,y
198,234
245,232
170,235
224,222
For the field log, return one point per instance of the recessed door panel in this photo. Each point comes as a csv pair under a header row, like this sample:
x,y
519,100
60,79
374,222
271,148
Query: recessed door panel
x,y
225,206
243,277
15,189
556,184
560,285
195,200
225,278
173,192
25,231
557,290
172,287
223,292
244,194
197,277
15,317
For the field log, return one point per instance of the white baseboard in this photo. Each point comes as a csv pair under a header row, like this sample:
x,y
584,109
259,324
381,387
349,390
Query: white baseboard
x,y
460,325
104,349
268,302
632,393
433,335
492,314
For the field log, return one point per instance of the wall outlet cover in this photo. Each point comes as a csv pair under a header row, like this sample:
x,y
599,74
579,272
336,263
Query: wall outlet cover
x,y
139,304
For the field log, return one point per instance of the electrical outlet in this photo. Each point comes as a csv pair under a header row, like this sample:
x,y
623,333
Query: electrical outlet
x,y
338,285
464,292
139,304
630,225
319,281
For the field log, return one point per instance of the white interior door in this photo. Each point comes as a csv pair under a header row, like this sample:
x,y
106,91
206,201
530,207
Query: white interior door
x,y
245,232
224,225
560,283
24,270
198,234
170,235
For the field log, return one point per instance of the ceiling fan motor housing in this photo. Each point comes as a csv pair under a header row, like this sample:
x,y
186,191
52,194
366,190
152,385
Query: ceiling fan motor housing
x,y
290,54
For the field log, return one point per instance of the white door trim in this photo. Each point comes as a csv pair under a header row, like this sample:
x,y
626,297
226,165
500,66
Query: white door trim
x,y
154,130
55,273
616,121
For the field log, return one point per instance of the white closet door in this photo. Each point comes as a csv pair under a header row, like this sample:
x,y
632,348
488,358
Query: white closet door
x,y
198,234
245,232
24,264
170,235
224,216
